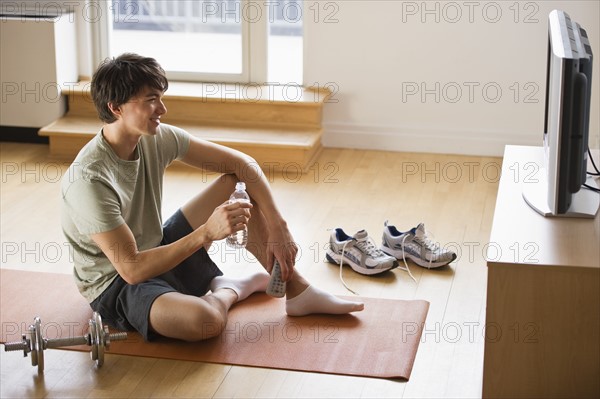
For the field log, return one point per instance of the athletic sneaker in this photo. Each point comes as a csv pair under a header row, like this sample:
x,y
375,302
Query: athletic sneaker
x,y
417,245
358,251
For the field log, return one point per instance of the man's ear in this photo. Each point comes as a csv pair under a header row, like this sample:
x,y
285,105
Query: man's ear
x,y
115,109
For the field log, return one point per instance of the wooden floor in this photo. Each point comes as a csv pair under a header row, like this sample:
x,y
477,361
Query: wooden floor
x,y
352,189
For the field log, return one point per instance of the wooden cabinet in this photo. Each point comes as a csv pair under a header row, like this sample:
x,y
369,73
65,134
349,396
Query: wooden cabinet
x,y
543,295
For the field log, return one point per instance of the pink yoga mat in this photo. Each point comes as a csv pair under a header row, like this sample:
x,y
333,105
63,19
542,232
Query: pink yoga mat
x,y
381,341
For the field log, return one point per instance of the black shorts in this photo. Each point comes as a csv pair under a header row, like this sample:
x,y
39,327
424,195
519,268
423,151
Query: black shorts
x,y
127,307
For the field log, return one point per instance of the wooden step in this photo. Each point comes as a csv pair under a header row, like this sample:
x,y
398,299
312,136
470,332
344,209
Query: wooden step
x,y
277,125
273,148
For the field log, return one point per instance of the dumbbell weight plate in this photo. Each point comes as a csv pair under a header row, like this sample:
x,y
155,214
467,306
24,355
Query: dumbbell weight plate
x,y
93,343
37,344
101,336
33,343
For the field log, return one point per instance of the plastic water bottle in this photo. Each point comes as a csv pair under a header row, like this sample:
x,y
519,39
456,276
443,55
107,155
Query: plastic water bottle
x,y
239,239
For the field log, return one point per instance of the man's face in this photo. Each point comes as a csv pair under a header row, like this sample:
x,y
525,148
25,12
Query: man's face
x,y
141,114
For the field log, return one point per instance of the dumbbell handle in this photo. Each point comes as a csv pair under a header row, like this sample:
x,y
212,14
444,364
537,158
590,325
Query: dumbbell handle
x,y
60,342
84,340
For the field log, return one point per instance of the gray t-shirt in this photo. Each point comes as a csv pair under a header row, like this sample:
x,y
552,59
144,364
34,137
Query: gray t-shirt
x,y
100,192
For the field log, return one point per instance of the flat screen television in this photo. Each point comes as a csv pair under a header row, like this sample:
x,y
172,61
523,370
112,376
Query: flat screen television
x,y
558,191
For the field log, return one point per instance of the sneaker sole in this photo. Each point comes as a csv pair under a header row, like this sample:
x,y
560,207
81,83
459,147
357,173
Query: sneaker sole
x,y
332,257
418,261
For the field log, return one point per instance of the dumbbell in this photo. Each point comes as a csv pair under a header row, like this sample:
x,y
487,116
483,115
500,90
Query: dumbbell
x,y
98,338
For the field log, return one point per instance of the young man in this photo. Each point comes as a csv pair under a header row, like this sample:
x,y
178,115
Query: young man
x,y
153,278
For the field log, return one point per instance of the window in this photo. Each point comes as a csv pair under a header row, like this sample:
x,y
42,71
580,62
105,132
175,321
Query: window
x,y
211,40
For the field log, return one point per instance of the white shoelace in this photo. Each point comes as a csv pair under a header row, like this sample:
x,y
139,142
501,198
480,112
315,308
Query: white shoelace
x,y
342,264
404,260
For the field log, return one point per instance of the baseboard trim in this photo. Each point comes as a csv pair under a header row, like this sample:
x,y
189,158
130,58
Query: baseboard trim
x,y
417,139
20,134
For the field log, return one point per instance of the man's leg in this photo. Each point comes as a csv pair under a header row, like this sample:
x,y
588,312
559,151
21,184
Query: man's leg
x,y
302,300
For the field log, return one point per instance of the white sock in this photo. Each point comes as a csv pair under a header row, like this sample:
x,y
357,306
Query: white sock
x,y
243,287
313,300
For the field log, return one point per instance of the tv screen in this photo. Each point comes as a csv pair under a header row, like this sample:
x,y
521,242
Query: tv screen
x,y
566,125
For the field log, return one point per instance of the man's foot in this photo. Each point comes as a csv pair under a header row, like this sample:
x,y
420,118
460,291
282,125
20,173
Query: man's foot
x,y
243,287
313,300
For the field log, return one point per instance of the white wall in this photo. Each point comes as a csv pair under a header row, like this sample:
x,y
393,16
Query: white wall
x,y
424,76
375,54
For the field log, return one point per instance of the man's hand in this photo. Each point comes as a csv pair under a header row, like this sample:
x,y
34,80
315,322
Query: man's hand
x,y
281,246
227,219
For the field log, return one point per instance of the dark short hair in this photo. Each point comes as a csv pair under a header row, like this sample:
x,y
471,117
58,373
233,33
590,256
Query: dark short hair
x,y
119,79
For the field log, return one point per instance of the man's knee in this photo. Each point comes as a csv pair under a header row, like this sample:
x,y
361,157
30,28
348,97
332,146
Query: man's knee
x,y
211,328
228,179
205,323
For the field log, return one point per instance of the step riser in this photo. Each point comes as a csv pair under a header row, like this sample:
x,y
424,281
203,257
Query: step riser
x,y
66,148
218,112
259,114
291,161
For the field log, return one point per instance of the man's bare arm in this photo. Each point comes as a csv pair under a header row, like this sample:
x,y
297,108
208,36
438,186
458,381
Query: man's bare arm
x,y
136,266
